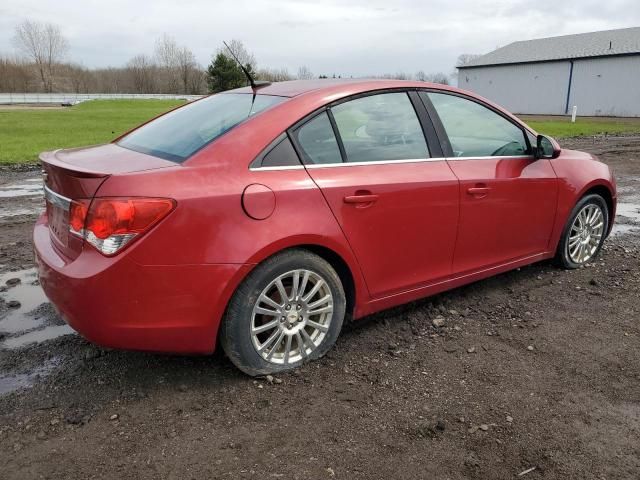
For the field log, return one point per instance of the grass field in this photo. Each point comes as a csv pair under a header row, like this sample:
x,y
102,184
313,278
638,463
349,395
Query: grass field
x,y
562,126
24,133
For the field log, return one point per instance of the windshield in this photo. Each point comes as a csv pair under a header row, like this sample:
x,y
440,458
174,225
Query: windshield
x,y
179,134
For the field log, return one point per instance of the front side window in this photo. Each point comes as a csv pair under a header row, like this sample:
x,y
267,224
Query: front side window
x,y
380,128
317,141
476,131
179,134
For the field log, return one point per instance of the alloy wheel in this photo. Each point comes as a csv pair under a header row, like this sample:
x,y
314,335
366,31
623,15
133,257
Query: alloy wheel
x,y
586,233
291,317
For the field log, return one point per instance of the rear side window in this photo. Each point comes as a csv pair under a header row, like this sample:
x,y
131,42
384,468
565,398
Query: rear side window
x,y
282,155
179,134
476,131
380,127
317,141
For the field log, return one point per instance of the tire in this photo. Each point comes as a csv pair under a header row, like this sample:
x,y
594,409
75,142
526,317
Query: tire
x,y
584,213
258,314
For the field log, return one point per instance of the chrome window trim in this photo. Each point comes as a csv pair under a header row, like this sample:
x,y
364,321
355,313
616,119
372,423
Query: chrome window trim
x,y
376,162
277,167
387,162
57,199
489,157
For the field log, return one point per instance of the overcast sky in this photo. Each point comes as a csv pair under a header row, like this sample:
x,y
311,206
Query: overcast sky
x,y
350,38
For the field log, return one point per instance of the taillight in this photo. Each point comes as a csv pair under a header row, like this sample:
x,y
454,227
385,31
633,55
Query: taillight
x,y
111,223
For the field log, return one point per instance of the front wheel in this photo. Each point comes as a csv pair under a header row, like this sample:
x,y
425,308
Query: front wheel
x,y
584,233
289,310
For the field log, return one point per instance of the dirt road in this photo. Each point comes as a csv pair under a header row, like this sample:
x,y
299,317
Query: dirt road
x,y
536,371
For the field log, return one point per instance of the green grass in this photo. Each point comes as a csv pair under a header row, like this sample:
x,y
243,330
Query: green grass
x,y
562,127
24,133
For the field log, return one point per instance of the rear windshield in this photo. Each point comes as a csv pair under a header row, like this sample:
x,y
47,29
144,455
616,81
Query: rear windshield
x,y
179,134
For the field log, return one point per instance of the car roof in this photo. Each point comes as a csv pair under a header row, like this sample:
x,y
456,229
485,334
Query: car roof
x,y
293,88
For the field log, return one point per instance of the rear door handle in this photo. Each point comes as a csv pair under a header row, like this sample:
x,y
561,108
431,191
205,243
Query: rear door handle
x,y
364,198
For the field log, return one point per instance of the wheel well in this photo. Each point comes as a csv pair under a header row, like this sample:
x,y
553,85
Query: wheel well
x,y
343,271
605,193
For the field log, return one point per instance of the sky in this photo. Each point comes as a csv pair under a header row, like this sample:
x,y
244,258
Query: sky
x,y
348,38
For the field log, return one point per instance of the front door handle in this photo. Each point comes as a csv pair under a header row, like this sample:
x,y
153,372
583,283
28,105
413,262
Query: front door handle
x,y
361,199
478,192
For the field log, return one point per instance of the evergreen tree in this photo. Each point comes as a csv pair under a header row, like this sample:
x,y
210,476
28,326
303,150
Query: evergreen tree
x,y
224,73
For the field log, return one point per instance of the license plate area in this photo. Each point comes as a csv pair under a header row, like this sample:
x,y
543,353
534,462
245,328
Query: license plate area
x,y
58,215
58,223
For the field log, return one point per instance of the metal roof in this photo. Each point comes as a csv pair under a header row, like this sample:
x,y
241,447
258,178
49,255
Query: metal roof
x,y
624,41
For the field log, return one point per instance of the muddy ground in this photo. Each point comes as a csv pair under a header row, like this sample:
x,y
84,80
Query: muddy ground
x,y
536,369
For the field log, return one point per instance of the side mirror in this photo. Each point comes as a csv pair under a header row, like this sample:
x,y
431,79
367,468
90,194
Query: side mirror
x,y
547,147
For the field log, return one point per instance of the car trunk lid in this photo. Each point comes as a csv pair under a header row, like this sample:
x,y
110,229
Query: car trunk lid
x,y
77,174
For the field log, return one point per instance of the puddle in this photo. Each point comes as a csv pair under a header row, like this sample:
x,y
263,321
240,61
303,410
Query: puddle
x,y
622,229
37,336
15,212
30,296
11,383
26,188
627,218
20,325
629,210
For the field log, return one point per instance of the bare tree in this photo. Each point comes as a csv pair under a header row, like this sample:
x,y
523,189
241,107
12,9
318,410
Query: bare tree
x,y
437,77
15,75
167,54
187,68
44,44
244,56
180,71
197,81
466,58
142,71
274,74
395,76
421,76
304,73
80,78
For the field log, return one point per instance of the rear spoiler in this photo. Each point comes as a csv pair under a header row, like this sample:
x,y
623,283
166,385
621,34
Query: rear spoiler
x,y
73,170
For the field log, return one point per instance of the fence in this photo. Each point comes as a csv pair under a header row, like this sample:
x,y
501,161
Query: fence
x,y
72,98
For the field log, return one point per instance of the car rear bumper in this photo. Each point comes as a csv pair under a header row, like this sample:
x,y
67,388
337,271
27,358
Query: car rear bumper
x,y
118,303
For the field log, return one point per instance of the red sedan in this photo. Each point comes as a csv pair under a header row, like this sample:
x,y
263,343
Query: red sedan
x,y
263,218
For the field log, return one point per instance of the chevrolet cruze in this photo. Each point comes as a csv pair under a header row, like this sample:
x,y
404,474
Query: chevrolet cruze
x,y
262,218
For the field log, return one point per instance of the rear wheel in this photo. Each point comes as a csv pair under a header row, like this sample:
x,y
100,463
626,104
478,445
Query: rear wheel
x,y
584,233
289,310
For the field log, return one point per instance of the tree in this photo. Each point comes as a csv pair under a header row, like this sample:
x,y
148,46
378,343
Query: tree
x,y
466,58
438,77
79,77
274,74
187,69
421,76
142,71
167,54
44,44
239,50
15,75
224,73
304,73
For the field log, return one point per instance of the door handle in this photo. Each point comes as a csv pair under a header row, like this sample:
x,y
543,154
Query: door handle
x,y
364,198
479,192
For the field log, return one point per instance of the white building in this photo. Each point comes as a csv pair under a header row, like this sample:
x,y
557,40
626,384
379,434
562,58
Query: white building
x,y
598,72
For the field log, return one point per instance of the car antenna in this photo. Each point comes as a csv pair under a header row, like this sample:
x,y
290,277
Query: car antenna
x,y
254,85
